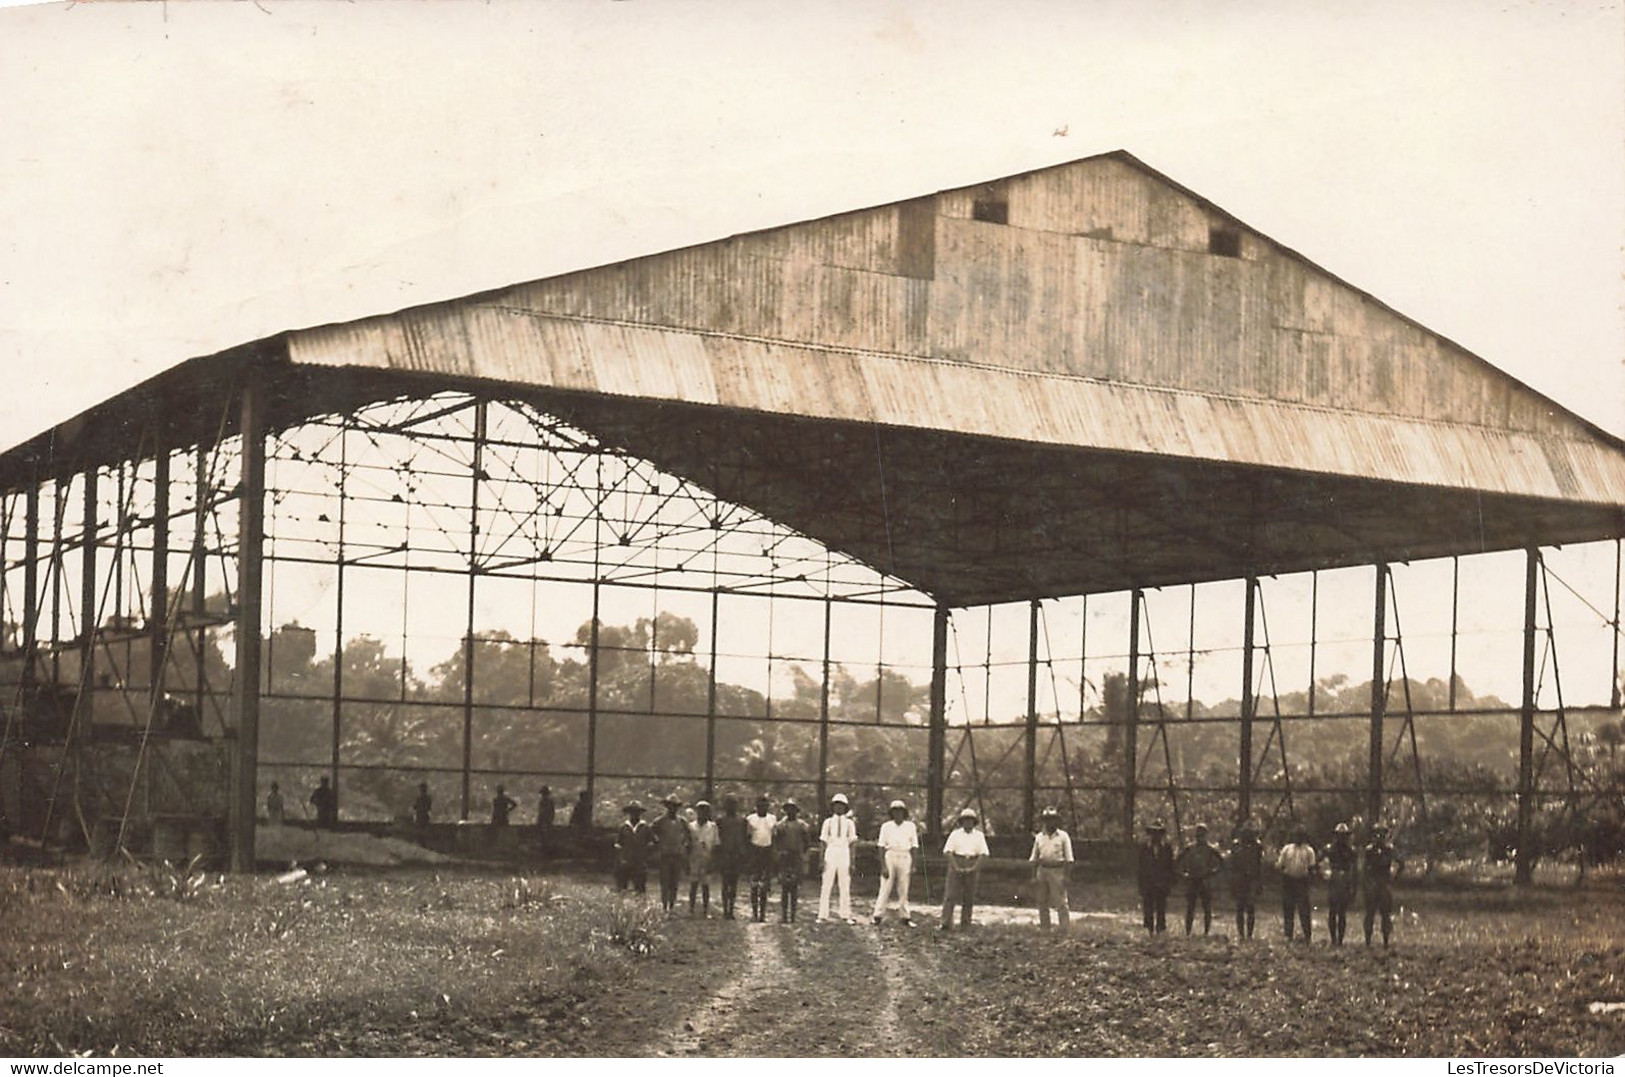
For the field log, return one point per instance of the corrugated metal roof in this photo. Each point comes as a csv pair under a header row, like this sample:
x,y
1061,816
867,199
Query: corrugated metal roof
x,y
623,360
1092,359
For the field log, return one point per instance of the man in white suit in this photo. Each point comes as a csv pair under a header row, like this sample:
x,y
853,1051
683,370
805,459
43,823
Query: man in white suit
x,y
898,839
839,833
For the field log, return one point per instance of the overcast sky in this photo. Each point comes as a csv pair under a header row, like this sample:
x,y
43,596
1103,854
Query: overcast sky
x,y
182,177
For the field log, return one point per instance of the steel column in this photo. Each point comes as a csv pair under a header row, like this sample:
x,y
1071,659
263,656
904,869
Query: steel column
x,y
711,706
1244,796
592,687
121,524
1455,621
85,705
31,595
59,490
823,717
1379,696
1029,779
200,574
337,727
936,778
1526,726
250,571
158,612
1613,670
1131,724
468,627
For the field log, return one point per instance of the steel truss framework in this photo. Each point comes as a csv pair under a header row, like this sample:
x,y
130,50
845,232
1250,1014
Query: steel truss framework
x,y
125,586
1270,782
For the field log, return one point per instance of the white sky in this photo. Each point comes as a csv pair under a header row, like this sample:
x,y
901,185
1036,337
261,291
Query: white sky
x,y
181,177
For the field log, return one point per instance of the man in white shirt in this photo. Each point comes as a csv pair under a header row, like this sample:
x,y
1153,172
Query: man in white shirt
x,y
965,849
759,863
898,839
702,849
1052,865
838,834
1297,862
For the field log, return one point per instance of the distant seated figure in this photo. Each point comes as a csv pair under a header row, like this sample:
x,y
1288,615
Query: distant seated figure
x,y
502,805
545,809
326,803
581,814
274,810
422,806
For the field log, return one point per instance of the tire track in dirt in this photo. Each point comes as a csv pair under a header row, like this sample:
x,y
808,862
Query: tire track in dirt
x,y
805,991
711,1026
929,1021
888,1021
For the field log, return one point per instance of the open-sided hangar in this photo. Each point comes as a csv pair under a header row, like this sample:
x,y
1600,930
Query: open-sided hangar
x,y
1078,380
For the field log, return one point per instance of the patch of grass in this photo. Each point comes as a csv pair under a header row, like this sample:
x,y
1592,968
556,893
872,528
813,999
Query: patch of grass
x,y
172,962
529,892
1512,975
633,923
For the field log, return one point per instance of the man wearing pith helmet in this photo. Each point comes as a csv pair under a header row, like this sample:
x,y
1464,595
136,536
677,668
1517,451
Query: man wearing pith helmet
x,y
632,850
702,851
838,835
1246,863
1156,877
965,849
1382,866
1198,863
671,842
1052,866
899,837
791,839
1342,861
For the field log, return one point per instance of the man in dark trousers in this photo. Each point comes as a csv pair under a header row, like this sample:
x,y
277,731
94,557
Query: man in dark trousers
x,y
632,851
546,810
326,803
502,806
1297,862
1382,867
671,840
759,827
422,806
1199,862
964,853
581,813
1156,877
791,840
1343,861
731,852
1246,876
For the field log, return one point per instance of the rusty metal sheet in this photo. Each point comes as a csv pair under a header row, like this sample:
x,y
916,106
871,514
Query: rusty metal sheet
x,y
496,343
1096,317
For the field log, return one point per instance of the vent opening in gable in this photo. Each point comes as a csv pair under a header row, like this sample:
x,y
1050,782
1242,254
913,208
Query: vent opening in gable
x,y
1225,242
996,211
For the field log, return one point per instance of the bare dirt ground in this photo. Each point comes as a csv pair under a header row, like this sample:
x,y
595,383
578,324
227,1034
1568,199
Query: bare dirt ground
x,y
1472,973
409,963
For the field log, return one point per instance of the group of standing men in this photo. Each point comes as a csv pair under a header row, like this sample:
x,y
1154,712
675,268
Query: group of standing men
x,y
761,846
757,847
1300,863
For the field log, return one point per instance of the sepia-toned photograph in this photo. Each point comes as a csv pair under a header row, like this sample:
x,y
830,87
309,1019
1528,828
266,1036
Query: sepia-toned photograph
x,y
1119,506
